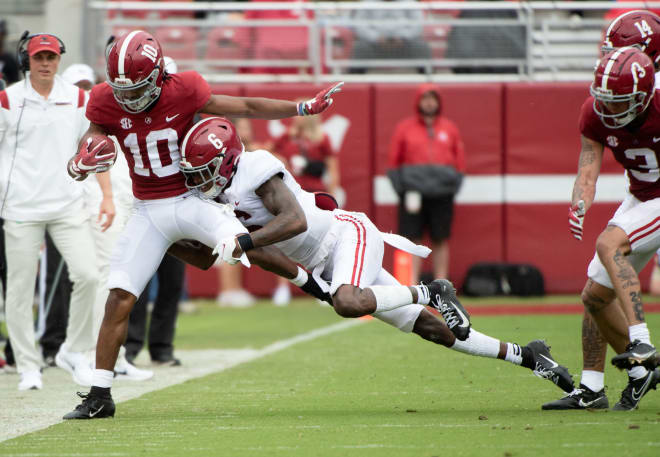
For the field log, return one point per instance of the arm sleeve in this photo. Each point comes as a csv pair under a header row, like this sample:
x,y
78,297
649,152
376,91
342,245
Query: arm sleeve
x,y
588,127
326,148
262,165
92,110
459,149
200,90
395,157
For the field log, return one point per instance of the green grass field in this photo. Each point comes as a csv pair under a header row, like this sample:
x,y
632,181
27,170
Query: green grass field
x,y
365,391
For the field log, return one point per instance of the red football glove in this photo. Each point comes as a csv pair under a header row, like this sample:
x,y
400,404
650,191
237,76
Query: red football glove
x,y
96,155
576,219
320,102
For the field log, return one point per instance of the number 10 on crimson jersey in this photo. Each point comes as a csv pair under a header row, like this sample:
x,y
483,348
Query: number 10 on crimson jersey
x,y
162,147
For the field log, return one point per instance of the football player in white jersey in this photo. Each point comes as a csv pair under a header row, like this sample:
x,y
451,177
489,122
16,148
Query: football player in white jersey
x,y
342,249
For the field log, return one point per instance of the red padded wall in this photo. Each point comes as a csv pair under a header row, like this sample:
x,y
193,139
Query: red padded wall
x,y
541,128
542,137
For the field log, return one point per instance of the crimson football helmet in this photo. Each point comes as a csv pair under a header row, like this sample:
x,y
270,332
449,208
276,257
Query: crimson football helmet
x,y
623,86
635,28
209,155
134,70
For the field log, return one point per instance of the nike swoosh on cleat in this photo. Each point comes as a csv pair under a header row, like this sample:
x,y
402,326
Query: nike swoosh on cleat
x,y
586,404
466,322
637,394
92,414
552,362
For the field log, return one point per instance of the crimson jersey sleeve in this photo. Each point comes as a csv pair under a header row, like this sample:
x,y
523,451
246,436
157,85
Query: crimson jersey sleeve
x,y
590,124
326,148
397,146
97,106
197,90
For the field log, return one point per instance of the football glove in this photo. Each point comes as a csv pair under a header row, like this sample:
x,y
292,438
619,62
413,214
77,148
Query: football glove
x,y
225,250
576,219
320,102
96,155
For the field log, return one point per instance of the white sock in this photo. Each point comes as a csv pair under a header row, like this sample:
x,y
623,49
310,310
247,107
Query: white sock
x,y
102,378
423,295
513,353
594,380
637,372
478,344
301,279
391,297
639,332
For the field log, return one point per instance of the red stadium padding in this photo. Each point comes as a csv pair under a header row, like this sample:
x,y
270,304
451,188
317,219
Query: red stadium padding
x,y
541,132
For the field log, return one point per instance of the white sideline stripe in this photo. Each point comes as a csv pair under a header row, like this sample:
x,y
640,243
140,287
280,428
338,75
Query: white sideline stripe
x,y
496,189
25,412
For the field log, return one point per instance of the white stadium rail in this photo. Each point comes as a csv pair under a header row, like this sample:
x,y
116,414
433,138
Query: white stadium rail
x,y
560,39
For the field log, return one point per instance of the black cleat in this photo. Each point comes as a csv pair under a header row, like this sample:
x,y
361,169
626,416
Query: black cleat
x,y
637,353
636,389
581,398
443,298
92,407
547,368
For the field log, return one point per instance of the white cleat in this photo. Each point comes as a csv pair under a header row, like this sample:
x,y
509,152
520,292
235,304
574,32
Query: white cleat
x,y
124,370
30,380
77,364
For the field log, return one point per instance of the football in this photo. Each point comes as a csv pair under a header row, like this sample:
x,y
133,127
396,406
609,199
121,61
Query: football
x,y
97,153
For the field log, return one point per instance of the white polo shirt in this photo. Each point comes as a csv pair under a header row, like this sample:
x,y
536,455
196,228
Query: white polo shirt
x,y
37,138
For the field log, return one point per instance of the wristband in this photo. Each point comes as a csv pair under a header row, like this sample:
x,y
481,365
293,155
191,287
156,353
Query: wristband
x,y
245,242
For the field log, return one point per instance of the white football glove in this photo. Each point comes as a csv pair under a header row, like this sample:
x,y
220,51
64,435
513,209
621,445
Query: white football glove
x,y
225,250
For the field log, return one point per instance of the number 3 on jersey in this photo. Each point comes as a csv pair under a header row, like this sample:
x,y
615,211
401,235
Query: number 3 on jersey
x,y
156,152
649,172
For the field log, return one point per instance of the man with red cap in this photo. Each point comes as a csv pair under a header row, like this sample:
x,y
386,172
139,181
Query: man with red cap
x,y
41,121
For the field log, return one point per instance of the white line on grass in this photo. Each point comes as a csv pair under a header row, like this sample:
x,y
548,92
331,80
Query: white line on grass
x,y
24,412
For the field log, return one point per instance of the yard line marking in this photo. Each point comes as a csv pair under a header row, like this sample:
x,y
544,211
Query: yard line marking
x,y
28,411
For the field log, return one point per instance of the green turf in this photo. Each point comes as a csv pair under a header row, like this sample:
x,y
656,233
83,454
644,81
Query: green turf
x,y
366,391
213,327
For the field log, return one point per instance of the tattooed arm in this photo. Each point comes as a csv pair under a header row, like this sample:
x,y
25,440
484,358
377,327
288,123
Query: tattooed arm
x,y
591,157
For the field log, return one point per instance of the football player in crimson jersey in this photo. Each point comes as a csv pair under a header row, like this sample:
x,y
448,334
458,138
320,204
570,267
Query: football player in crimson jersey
x,y
623,114
148,111
344,249
638,28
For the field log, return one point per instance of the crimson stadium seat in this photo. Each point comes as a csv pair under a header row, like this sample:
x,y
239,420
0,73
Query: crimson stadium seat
x,y
180,43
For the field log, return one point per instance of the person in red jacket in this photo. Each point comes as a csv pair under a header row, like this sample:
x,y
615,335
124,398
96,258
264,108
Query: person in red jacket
x,y
423,139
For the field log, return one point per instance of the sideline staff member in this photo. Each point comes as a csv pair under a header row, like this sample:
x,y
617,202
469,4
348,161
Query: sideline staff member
x,y
41,122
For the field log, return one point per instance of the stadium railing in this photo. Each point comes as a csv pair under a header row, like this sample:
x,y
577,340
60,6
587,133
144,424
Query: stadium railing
x,y
313,41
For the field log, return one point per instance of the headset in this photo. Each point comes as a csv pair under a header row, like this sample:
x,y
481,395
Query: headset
x,y
21,50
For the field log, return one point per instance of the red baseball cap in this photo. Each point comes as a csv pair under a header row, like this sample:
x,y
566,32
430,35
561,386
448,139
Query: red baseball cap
x,y
43,42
